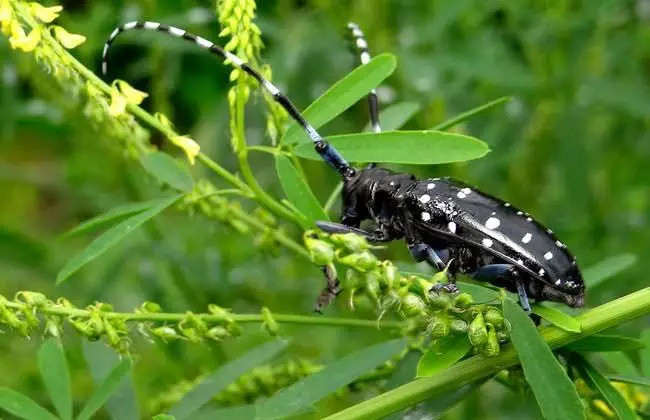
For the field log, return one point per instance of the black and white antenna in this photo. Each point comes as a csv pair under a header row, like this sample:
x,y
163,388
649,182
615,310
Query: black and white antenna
x,y
362,46
323,148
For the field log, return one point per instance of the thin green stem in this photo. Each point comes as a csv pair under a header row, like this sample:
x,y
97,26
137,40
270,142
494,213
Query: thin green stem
x,y
605,316
333,196
212,318
469,114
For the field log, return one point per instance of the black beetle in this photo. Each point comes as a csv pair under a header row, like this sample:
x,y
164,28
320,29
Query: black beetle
x,y
443,221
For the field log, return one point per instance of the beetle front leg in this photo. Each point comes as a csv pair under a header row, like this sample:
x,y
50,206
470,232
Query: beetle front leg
x,y
379,235
423,252
494,271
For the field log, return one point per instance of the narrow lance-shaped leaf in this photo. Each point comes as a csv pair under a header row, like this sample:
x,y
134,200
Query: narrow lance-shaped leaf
x,y
22,406
343,94
113,215
606,342
105,390
645,354
308,391
395,116
298,192
224,376
607,268
111,237
557,318
410,147
610,394
445,353
555,393
445,125
54,371
168,170
632,380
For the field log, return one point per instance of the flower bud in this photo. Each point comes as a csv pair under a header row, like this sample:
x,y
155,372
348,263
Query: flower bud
x,y
477,332
217,333
463,300
372,287
491,347
269,323
438,327
362,261
166,333
321,252
353,279
494,316
150,308
440,301
390,274
351,241
412,305
31,298
222,313
458,326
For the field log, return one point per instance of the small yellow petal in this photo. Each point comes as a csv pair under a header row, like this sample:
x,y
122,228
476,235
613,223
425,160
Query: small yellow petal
x,y
45,14
5,11
189,146
118,103
67,39
21,41
133,96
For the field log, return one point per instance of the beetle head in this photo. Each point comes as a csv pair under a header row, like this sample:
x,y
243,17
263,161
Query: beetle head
x,y
571,291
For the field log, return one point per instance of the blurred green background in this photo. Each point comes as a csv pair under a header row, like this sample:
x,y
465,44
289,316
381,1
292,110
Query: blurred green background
x,y
572,147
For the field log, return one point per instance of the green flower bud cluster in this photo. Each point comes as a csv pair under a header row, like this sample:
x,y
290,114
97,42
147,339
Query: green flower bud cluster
x,y
205,199
377,284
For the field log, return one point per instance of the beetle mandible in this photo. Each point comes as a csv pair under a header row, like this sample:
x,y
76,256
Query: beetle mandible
x,y
442,220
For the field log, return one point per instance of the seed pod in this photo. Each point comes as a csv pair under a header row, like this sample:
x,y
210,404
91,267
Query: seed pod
x,y
362,261
321,252
438,327
463,301
222,313
353,279
150,307
441,301
264,216
494,316
372,287
412,305
458,326
390,274
477,332
31,298
166,333
421,286
217,333
269,323
491,347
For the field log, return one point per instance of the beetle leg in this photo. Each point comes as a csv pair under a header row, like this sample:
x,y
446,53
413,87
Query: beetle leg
x,y
423,252
523,297
494,271
330,292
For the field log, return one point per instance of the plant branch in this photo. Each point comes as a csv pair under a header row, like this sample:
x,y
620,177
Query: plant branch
x,y
603,317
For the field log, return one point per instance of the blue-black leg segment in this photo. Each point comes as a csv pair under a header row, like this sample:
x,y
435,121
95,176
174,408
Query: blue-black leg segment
x,y
494,271
523,297
424,252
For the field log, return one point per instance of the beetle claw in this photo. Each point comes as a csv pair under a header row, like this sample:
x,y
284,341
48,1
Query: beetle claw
x,y
444,287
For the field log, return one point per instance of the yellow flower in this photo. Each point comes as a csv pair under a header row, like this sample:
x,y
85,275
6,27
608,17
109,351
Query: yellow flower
x,y
189,146
67,39
118,103
45,14
133,96
163,119
5,11
21,41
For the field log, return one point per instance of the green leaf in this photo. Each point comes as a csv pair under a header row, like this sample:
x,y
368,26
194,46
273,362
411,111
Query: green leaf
x,y
607,268
469,114
22,406
101,360
105,390
410,147
54,371
610,394
163,417
111,237
343,94
633,380
168,170
240,412
445,353
555,393
110,216
298,192
480,293
605,342
619,362
556,317
224,376
308,391
396,115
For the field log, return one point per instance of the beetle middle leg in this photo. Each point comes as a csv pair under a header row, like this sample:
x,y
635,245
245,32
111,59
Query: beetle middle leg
x,y
423,252
494,271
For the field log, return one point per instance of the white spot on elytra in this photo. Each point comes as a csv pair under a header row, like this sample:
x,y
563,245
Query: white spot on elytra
x,y
549,231
557,282
548,255
506,204
528,219
466,190
461,194
425,216
519,213
541,271
392,183
431,186
492,223
425,198
520,261
487,242
560,244
527,237
452,227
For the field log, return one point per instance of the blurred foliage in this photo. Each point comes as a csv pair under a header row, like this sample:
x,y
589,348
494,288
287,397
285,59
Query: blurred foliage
x,y
572,148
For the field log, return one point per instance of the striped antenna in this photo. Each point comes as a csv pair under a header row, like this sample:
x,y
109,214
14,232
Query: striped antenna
x,y
362,47
328,153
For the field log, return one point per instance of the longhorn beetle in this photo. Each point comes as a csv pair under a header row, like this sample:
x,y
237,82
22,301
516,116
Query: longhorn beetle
x,y
443,221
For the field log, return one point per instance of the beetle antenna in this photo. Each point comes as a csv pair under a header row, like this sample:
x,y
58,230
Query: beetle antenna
x,y
328,153
359,41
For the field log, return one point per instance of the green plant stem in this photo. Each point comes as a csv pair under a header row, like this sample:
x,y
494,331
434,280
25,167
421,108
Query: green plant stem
x,y
211,318
605,316
333,196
